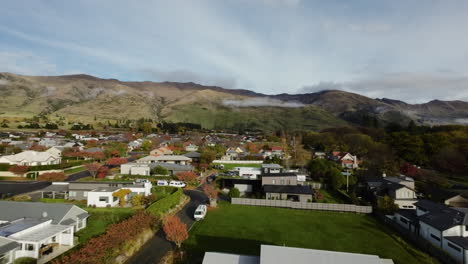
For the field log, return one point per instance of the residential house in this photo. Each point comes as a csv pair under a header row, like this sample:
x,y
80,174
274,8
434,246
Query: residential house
x,y
42,230
190,147
134,144
174,159
279,255
345,159
400,189
8,248
285,186
93,191
248,172
31,158
272,168
442,226
195,156
56,150
48,142
161,151
134,168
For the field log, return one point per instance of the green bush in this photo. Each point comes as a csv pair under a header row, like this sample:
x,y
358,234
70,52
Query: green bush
x,y
234,193
25,260
160,207
4,166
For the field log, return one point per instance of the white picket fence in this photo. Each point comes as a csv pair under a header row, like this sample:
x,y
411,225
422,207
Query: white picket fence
x,y
304,205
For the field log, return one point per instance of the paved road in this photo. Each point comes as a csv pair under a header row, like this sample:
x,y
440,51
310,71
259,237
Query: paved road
x,y
158,246
11,188
78,175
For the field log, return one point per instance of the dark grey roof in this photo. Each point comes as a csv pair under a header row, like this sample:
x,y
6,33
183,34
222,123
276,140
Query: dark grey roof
x,y
441,216
192,155
293,189
460,241
58,212
283,174
7,245
56,188
409,214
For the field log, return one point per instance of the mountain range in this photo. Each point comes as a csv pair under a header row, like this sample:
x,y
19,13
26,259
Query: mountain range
x,y
88,99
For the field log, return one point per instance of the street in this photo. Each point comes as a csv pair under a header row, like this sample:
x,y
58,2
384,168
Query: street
x,y
158,246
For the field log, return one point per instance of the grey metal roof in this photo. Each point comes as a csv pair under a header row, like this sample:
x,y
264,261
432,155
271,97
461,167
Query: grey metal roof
x,y
58,212
56,188
224,258
42,233
293,189
7,245
460,241
171,166
192,154
441,216
18,226
272,166
283,174
279,255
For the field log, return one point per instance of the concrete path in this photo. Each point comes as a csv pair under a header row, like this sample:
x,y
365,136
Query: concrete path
x,y
153,251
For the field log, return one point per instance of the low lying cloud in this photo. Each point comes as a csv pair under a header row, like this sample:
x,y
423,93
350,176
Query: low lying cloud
x,y
408,87
263,101
189,76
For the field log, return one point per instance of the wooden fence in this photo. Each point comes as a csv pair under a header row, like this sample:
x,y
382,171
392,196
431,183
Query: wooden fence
x,y
304,205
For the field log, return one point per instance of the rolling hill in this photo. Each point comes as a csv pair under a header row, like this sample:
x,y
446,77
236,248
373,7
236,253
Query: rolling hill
x,y
85,98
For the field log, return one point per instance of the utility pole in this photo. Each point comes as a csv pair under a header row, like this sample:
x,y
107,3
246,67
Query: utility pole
x,y
347,180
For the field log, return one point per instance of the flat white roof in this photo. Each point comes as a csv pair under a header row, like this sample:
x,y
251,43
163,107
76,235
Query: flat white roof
x,y
41,234
218,258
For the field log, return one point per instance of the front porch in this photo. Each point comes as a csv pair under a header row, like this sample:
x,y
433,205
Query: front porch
x,y
57,251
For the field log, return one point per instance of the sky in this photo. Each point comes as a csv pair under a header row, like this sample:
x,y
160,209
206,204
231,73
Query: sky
x,y
411,50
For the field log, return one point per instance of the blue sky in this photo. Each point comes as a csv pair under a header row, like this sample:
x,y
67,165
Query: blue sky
x,y
412,50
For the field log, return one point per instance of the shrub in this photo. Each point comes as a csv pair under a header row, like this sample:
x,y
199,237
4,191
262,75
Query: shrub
x,y
160,207
160,170
105,248
52,176
137,200
234,193
121,194
176,230
186,176
25,260
21,198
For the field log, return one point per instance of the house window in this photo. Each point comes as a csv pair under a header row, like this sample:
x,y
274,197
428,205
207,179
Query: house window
x,y
453,247
72,193
103,199
85,194
466,228
404,221
29,247
435,237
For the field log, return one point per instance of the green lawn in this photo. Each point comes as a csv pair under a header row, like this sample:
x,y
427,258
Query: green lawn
x,y
229,166
242,229
100,218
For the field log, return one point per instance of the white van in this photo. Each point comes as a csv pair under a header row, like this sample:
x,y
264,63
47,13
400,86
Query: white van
x,y
179,184
200,212
162,183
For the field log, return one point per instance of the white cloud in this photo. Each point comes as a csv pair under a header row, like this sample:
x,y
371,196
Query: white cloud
x,y
261,102
26,63
409,87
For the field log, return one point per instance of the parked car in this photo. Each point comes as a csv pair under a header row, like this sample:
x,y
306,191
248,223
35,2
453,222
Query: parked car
x,y
200,212
162,183
179,184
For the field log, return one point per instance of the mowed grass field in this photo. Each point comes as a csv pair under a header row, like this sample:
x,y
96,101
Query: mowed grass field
x,y
242,229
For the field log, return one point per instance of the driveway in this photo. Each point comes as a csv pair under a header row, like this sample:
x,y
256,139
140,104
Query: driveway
x,y
153,251
78,175
11,188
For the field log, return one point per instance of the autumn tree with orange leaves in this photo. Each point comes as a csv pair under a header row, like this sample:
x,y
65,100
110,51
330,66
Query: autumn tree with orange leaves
x,y
93,168
18,169
175,229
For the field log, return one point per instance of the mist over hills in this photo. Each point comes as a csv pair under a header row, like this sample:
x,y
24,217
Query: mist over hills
x,y
87,98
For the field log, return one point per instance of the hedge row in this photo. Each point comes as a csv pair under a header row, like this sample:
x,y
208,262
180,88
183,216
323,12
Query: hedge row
x,y
159,208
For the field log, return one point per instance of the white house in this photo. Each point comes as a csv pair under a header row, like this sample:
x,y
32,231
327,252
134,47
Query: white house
x,y
42,230
400,189
56,150
31,158
191,147
442,226
248,172
8,248
103,196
